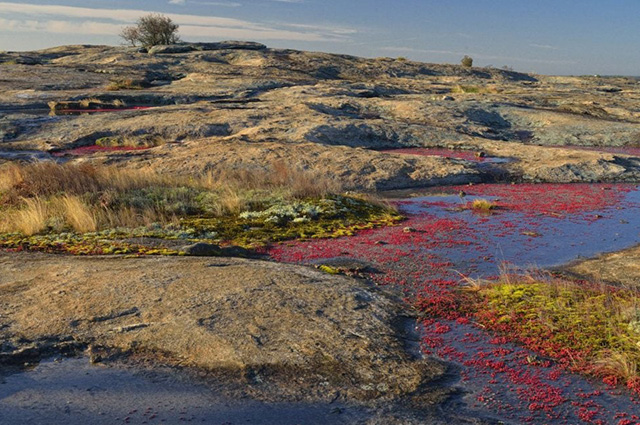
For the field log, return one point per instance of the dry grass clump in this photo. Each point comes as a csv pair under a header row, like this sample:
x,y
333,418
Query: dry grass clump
x,y
46,179
85,198
483,205
29,220
78,214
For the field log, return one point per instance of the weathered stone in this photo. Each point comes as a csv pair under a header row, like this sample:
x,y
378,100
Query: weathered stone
x,y
280,327
171,49
229,45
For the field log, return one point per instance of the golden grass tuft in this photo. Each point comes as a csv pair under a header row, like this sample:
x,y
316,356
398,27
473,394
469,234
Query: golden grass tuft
x,y
483,205
299,182
31,219
615,363
78,214
124,84
87,102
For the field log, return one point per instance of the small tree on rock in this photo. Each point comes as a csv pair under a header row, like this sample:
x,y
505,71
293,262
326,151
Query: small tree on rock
x,y
467,61
130,35
151,30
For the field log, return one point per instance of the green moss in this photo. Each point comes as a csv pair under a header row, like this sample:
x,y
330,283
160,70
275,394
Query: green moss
x,y
325,218
328,269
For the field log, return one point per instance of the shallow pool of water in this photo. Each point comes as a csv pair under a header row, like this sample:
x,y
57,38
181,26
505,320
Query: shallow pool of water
x,y
72,391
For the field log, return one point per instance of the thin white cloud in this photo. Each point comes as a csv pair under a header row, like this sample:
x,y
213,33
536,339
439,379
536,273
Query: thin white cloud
x,y
63,19
544,46
321,28
476,55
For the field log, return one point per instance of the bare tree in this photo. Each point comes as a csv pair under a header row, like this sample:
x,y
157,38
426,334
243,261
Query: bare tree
x,y
152,30
130,35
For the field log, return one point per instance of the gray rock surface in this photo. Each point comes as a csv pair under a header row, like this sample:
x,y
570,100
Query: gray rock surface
x,y
240,103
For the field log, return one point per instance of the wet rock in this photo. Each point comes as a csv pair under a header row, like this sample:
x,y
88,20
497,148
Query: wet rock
x,y
27,60
610,89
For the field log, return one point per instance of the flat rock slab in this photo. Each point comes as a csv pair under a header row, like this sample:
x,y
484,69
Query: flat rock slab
x,y
280,331
617,268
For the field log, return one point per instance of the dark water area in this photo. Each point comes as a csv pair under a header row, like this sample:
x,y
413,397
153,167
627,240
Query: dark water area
x,y
25,155
533,238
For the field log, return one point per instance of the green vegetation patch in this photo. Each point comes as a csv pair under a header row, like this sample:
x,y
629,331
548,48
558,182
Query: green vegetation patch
x,y
82,209
592,329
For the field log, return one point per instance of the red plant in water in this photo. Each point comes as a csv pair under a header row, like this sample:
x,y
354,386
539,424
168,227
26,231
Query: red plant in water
x,y
518,383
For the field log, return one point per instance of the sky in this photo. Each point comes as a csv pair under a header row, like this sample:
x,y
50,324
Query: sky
x,y
563,37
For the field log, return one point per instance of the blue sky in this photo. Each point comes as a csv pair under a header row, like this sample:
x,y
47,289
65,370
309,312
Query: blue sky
x,y
544,36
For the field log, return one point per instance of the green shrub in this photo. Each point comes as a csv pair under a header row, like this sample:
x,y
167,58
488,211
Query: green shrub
x,y
467,61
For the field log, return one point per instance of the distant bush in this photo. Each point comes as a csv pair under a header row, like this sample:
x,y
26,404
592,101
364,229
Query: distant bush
x,y
467,61
151,30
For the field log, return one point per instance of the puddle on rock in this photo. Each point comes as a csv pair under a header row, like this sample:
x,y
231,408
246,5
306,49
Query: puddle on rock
x,y
30,156
72,391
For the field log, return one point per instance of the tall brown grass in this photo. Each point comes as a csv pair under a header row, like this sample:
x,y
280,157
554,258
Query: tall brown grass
x,y
300,182
78,214
47,179
87,197
29,220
